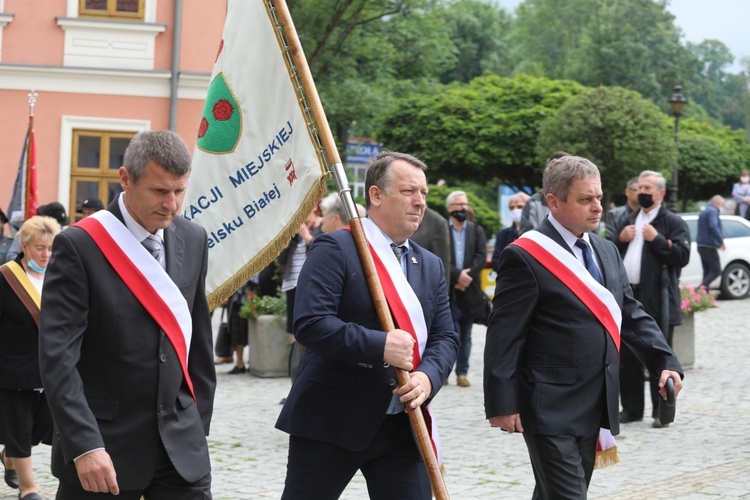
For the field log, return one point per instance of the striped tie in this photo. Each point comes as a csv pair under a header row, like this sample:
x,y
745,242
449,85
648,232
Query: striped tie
x,y
153,245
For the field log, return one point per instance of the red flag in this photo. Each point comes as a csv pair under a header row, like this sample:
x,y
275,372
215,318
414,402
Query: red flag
x,y
31,197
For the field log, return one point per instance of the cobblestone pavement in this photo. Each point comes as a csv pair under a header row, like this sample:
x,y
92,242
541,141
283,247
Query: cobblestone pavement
x,y
705,453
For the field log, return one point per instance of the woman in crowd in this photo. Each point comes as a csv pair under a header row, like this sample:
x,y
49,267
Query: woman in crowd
x,y
25,419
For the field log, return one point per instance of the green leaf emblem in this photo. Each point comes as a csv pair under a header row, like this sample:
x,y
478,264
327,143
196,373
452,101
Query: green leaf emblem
x,y
221,125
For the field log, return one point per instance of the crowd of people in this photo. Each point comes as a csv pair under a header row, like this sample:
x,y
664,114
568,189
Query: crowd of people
x,y
113,365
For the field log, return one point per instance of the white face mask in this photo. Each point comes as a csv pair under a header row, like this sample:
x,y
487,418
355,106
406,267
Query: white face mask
x,y
515,214
744,180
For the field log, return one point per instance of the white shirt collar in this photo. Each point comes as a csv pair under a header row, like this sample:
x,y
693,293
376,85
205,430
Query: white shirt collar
x,y
569,238
138,231
651,215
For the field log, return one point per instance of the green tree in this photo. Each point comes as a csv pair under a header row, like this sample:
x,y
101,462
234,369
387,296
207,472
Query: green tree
x,y
711,158
361,52
617,129
633,44
483,130
485,214
481,35
706,168
547,33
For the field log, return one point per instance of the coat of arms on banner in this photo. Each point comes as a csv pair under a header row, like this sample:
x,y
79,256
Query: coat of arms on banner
x,y
221,125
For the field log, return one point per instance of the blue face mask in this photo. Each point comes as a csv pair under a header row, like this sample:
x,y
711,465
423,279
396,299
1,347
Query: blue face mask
x,y
36,267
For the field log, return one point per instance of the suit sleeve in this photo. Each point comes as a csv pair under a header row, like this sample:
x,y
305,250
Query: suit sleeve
x,y
611,227
65,311
317,324
200,364
513,306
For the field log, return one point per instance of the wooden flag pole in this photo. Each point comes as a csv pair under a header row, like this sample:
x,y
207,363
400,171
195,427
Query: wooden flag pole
x,y
295,51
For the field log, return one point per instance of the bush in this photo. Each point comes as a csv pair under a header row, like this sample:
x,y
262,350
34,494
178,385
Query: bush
x,y
257,306
696,299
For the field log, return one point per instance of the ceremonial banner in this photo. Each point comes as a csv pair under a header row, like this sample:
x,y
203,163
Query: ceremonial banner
x,y
25,197
257,168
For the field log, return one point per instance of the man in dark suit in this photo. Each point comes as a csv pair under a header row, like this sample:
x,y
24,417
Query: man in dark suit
x,y
345,411
131,393
468,258
551,364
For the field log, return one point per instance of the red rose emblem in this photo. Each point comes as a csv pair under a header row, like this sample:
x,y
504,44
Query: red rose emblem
x,y
223,110
203,128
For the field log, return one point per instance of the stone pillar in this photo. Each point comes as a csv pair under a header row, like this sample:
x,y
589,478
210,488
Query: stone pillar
x,y
683,341
268,345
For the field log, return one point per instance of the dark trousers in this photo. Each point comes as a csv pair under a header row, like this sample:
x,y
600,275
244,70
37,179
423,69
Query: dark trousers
x,y
562,465
166,484
391,465
463,324
711,264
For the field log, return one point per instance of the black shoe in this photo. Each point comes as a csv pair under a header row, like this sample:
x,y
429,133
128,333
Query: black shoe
x,y
237,370
627,417
30,496
10,476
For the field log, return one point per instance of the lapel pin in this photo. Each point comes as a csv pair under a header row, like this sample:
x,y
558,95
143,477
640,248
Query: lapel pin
x,y
413,260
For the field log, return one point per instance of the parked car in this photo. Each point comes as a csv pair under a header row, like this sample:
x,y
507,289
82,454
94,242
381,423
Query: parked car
x,y
734,281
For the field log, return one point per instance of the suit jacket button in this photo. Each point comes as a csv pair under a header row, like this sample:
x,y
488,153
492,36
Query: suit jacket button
x,y
162,357
392,382
161,409
386,365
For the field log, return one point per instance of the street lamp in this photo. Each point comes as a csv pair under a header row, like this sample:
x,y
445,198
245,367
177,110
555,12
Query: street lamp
x,y
678,103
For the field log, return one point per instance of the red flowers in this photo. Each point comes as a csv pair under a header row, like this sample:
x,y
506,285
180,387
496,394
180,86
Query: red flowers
x,y
223,110
203,128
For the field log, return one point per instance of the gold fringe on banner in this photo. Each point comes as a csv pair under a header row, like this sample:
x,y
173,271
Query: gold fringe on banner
x,y
605,458
270,251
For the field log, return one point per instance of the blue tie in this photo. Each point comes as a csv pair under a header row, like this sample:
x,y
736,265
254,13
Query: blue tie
x,y
398,251
588,260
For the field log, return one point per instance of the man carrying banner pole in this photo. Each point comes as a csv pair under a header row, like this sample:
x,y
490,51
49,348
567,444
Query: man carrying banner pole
x,y
346,410
258,166
125,339
559,311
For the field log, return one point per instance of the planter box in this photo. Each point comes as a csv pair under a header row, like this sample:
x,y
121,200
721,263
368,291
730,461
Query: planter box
x,y
683,341
268,345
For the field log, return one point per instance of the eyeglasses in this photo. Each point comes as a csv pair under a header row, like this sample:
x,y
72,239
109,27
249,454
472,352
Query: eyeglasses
x,y
459,204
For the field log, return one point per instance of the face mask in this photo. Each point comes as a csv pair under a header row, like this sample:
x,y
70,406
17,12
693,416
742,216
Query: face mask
x,y
460,215
36,267
645,200
744,180
515,214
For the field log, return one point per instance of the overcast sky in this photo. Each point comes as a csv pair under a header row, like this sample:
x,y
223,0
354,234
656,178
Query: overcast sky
x,y
723,20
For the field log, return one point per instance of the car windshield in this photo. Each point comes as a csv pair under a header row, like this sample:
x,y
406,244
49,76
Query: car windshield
x,y
734,229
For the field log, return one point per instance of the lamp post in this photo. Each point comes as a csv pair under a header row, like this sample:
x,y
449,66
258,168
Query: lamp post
x,y
678,103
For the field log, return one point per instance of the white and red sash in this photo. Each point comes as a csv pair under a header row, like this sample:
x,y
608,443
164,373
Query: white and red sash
x,y
404,305
146,279
572,273
600,301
